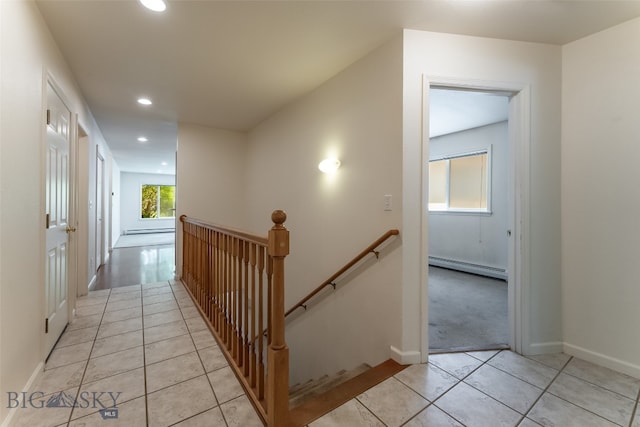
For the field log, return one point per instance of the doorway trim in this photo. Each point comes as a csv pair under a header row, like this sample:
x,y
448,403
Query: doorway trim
x,y
517,199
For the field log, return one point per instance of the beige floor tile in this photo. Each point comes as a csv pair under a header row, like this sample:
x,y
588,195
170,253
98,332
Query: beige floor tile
x,y
37,413
528,423
553,411
69,355
157,290
604,377
607,404
393,402
196,324
527,370
62,378
185,302
475,409
130,414
428,380
172,371
239,413
121,305
176,403
636,420
212,358
483,355
154,299
352,414
203,339
110,391
90,310
98,293
211,418
128,296
92,300
166,349
225,384
126,289
166,331
457,364
117,343
118,315
113,364
156,319
84,322
190,312
160,307
505,388
555,360
119,327
155,285
77,336
431,417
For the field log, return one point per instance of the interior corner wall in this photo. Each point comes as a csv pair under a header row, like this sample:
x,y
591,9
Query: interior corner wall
x,y
356,117
600,203
28,51
130,188
475,238
210,178
455,57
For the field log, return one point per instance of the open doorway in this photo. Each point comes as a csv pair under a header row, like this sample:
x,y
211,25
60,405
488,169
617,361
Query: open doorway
x,y
469,210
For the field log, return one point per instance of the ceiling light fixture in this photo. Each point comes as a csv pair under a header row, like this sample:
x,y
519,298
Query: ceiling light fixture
x,y
142,139
329,165
164,163
144,101
155,5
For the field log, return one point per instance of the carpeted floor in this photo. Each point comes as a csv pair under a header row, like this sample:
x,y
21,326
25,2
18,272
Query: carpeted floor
x,y
150,239
466,311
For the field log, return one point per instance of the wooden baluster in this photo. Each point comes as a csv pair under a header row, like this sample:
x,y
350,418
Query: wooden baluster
x,y
245,298
228,293
269,295
278,352
261,256
252,345
234,300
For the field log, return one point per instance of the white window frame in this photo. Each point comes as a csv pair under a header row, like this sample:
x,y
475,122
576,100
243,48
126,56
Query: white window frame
x,y
140,203
469,211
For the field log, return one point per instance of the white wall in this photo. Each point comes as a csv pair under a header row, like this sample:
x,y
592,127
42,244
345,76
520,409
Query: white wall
x,y
479,239
538,66
355,116
600,203
130,188
210,176
28,50
116,203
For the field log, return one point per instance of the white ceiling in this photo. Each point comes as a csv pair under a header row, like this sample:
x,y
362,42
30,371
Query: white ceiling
x,y
231,64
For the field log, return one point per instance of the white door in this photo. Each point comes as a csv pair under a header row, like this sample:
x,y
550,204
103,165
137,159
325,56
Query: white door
x,y
57,216
99,210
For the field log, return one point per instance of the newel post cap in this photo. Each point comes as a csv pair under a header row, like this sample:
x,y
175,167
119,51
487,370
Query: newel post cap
x,y
278,235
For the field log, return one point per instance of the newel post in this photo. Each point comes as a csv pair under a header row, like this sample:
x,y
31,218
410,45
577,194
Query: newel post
x,y
278,352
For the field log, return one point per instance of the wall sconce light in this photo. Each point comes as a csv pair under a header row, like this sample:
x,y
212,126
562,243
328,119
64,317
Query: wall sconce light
x,y
329,165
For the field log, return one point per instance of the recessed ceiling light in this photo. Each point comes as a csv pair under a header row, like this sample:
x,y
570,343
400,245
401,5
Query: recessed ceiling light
x,y
155,5
164,163
142,139
144,101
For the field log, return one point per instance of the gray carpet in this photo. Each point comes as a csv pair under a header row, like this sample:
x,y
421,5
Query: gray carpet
x,y
466,311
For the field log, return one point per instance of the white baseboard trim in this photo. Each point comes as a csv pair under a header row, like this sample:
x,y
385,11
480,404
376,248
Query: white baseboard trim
x,y
92,283
405,357
33,379
603,360
544,348
467,267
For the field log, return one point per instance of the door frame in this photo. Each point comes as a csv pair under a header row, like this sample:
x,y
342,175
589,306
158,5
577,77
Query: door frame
x,y
100,210
517,200
72,241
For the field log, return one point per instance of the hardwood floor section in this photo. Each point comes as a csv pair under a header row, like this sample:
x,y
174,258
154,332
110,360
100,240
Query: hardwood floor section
x,y
327,402
133,266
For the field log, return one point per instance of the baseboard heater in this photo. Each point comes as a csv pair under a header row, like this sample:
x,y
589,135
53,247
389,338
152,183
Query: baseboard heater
x,y
467,267
149,231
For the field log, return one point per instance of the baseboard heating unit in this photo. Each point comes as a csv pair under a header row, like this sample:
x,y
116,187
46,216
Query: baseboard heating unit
x,y
148,231
467,267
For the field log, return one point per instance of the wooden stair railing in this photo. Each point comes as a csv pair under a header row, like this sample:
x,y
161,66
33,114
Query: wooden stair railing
x,y
331,280
237,280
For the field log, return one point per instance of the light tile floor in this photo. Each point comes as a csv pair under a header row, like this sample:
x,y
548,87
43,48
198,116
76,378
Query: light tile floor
x,y
145,350
492,388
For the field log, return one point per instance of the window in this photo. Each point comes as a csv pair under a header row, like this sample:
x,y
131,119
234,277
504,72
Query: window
x,y
158,201
460,183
